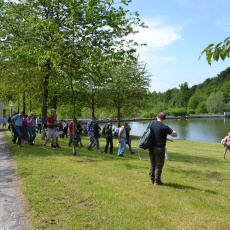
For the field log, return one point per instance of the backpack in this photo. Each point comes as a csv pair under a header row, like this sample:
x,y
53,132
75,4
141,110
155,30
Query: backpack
x,y
145,142
222,141
116,132
103,131
85,129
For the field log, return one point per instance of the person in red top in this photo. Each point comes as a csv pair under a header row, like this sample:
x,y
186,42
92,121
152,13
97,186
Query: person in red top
x,y
50,130
71,133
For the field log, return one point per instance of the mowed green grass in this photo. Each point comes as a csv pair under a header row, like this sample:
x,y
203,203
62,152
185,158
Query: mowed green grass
x,y
97,191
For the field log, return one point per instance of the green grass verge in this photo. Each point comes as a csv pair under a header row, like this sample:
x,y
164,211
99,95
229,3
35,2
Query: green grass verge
x,y
97,191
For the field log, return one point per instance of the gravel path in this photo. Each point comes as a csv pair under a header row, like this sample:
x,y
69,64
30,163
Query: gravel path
x,y
12,215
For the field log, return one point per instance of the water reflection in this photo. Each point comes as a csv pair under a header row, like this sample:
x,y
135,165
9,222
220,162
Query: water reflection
x,y
203,129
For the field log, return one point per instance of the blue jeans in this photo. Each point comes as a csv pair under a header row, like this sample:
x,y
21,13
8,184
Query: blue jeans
x,y
129,144
32,133
39,128
122,147
18,129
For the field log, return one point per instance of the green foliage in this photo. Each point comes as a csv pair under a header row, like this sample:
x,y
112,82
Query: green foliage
x,y
226,90
201,108
150,114
191,111
73,44
176,112
221,50
193,102
215,102
228,107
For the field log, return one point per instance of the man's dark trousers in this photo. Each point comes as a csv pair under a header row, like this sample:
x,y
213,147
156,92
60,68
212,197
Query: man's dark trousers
x,y
109,141
157,158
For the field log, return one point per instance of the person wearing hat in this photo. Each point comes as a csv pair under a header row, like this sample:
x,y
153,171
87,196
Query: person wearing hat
x,y
18,118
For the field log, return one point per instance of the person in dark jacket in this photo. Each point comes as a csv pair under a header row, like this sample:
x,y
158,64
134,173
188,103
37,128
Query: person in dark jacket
x,y
97,130
78,134
127,140
157,152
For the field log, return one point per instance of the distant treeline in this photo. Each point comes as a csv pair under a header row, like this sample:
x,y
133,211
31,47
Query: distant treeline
x,y
211,96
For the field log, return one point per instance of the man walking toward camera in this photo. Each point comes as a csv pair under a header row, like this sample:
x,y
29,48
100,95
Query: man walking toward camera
x,y
90,130
122,137
157,152
109,136
50,130
39,123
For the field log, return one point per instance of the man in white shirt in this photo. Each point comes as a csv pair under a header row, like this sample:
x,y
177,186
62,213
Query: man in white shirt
x,y
39,123
122,137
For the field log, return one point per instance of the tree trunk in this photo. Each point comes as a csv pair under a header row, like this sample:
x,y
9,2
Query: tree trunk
x,y
55,102
44,98
30,102
93,104
214,109
73,94
18,102
119,116
24,101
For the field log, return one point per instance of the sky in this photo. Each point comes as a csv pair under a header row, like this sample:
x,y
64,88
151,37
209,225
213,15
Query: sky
x,y
178,31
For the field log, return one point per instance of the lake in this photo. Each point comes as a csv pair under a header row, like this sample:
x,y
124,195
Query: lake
x,y
202,129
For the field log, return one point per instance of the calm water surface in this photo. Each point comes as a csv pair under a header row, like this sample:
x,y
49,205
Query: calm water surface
x,y
203,129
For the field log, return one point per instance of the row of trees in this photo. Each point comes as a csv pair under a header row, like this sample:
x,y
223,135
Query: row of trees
x,y
58,52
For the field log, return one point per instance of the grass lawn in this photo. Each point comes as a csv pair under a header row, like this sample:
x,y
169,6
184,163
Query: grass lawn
x,y
97,191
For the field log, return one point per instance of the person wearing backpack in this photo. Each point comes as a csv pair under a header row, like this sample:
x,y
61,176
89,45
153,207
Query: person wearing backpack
x,y
128,141
18,119
78,134
97,130
90,130
122,137
157,152
109,136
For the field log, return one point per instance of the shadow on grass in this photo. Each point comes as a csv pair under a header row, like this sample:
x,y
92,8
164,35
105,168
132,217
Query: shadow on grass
x,y
212,175
82,154
185,187
193,159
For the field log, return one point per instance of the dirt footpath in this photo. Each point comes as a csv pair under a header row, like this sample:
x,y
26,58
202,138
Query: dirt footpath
x,y
12,214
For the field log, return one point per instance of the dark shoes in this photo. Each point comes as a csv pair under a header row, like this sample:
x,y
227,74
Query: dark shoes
x,y
121,155
158,183
132,153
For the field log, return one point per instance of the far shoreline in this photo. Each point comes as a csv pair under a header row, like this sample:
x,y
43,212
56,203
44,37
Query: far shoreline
x,y
84,121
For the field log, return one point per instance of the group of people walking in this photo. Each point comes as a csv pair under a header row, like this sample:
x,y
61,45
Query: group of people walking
x,y
93,131
23,127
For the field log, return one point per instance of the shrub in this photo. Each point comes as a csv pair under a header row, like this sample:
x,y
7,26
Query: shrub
x,y
149,114
201,108
176,112
227,108
191,111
